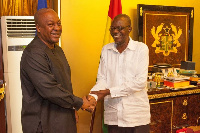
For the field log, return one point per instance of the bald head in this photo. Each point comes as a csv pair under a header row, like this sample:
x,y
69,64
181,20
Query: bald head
x,y
124,17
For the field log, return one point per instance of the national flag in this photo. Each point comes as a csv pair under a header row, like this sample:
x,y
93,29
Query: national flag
x,y
42,4
115,9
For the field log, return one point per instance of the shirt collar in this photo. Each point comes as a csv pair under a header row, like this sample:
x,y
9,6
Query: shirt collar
x,y
130,46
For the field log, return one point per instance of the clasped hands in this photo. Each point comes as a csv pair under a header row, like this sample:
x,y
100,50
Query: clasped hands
x,y
89,102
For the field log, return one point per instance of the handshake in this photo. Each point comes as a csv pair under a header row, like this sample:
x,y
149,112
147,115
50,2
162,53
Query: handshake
x,y
89,103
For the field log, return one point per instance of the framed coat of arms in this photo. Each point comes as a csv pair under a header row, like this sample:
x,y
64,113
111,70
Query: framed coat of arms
x,y
167,31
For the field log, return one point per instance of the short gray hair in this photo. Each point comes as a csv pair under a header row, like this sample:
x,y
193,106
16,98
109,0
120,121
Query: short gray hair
x,y
40,12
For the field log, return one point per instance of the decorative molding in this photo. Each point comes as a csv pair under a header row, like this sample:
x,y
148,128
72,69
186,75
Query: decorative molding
x,y
192,13
141,11
2,92
173,94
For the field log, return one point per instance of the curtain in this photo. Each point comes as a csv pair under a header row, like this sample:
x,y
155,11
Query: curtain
x,y
20,7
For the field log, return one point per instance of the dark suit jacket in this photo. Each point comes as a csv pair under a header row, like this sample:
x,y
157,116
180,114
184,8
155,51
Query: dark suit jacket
x,y
47,90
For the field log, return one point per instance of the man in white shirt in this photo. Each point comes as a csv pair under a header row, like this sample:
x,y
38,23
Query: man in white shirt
x,y
121,81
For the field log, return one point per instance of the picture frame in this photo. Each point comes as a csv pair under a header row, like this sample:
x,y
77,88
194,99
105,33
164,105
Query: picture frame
x,y
167,31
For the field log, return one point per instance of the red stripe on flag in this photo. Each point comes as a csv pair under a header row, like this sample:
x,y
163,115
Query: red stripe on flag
x,y
115,8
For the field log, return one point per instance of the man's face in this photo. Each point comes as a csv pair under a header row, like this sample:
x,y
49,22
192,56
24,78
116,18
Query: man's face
x,y
120,30
49,28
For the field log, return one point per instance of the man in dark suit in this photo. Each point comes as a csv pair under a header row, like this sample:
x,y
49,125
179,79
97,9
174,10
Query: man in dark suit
x,y
48,104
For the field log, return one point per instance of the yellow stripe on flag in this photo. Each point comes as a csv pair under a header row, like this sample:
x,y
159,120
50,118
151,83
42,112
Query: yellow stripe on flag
x,y
107,36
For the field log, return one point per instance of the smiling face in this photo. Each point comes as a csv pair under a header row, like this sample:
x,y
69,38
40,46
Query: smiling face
x,y
120,29
49,28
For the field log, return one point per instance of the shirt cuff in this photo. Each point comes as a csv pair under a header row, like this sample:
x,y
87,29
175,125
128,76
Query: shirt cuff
x,y
116,92
95,96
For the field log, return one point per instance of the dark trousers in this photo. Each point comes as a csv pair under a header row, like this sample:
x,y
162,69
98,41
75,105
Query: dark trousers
x,y
137,129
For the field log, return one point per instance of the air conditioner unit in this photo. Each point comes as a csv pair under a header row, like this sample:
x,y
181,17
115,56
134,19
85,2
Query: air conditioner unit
x,y
17,33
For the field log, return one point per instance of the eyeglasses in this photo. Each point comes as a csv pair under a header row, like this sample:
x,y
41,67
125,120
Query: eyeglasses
x,y
118,28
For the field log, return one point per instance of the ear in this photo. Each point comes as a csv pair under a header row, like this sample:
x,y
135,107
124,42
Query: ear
x,y
130,29
38,28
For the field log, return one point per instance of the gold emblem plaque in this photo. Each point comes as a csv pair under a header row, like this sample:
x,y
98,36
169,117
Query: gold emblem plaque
x,y
167,33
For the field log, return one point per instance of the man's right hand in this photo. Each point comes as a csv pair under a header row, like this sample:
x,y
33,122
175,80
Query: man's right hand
x,y
89,103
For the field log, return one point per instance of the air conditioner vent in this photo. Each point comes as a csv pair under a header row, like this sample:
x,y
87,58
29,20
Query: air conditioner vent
x,y
23,28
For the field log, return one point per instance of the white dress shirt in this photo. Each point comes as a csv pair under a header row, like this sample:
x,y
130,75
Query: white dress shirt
x,y
125,75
